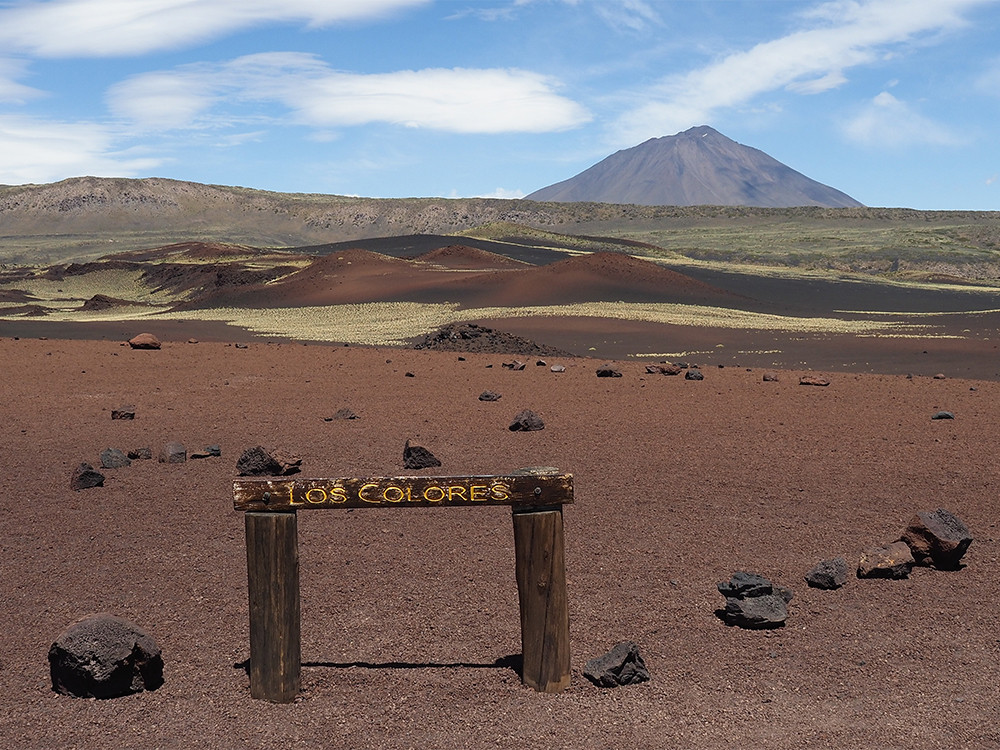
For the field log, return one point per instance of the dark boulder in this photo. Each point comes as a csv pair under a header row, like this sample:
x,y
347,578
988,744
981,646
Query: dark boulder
x,y
418,457
607,371
753,602
828,574
694,375
103,656
622,665
526,421
112,458
86,476
257,462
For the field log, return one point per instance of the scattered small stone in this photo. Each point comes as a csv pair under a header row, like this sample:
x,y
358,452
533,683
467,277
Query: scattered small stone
x,y
173,453
943,415
342,413
622,665
410,375
891,561
940,376
112,458
144,341
607,371
489,396
664,369
526,421
86,476
211,451
694,375
813,380
513,365
938,538
753,602
192,341
104,656
770,377
418,457
140,454
123,412
242,346
557,368
828,574
541,363
461,359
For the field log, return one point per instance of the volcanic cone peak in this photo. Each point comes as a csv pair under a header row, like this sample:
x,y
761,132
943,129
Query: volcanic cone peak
x,y
700,166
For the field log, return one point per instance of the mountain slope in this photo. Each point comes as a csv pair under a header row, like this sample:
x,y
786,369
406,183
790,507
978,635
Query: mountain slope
x,y
697,167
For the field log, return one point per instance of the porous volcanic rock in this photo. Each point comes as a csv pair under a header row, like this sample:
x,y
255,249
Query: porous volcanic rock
x,y
343,413
104,656
516,365
470,337
526,421
890,561
753,602
123,412
608,371
943,415
828,574
622,665
140,454
86,476
489,396
144,341
694,375
938,538
664,369
418,457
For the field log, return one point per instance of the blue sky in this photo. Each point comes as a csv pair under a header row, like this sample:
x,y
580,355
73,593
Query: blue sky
x,y
896,102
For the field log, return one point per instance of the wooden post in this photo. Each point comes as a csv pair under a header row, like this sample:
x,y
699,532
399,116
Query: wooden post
x,y
273,586
540,568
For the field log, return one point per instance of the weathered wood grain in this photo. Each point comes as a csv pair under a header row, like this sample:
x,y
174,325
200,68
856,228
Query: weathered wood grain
x,y
277,495
540,569
273,587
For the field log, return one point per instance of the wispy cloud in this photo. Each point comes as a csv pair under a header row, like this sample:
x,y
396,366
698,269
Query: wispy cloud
x,y
456,100
103,28
12,92
43,151
835,37
888,122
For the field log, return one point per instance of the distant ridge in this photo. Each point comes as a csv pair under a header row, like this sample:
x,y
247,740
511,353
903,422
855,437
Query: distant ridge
x,y
699,167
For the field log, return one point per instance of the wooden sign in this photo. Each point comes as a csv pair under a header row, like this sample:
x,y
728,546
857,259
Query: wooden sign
x,y
289,495
536,501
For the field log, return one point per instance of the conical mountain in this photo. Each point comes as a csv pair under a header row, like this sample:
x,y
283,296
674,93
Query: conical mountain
x,y
698,167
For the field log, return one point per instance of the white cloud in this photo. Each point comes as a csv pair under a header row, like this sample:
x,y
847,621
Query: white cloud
x,y
842,35
10,90
43,151
504,193
456,100
102,28
888,122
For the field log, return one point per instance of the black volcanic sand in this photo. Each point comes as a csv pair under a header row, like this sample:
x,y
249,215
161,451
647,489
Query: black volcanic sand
x,y
409,617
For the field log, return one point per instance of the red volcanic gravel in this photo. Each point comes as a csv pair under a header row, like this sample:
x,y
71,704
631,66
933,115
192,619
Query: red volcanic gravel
x,y
409,617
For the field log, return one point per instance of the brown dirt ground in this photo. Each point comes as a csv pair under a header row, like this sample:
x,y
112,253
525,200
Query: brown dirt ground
x,y
405,614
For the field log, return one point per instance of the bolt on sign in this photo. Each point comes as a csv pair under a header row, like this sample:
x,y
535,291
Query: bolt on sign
x,y
270,505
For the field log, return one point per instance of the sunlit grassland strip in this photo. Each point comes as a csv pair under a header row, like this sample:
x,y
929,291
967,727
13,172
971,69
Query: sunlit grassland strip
x,y
392,324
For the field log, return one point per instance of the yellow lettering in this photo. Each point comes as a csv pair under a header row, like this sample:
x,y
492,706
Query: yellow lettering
x,y
436,489
316,495
456,490
291,496
337,495
398,494
361,493
500,492
477,493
